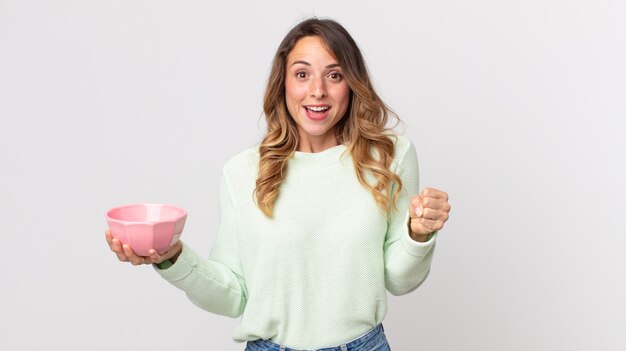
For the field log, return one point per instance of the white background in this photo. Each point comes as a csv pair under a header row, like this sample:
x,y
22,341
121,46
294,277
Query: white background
x,y
516,109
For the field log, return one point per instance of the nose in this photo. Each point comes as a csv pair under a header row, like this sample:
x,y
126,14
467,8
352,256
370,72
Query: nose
x,y
318,88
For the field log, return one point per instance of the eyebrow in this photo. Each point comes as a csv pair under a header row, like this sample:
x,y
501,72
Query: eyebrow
x,y
332,65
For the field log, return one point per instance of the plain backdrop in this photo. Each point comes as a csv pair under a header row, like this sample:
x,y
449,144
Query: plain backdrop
x,y
517,109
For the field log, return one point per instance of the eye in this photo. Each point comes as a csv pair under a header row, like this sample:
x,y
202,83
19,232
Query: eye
x,y
301,74
335,76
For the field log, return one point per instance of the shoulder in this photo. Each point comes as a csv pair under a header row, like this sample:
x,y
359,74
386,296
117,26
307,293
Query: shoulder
x,y
404,150
244,163
402,142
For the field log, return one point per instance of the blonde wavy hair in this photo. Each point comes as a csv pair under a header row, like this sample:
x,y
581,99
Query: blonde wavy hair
x,y
362,129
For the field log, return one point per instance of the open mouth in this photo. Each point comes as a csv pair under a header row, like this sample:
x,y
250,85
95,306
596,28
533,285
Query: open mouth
x,y
317,109
317,113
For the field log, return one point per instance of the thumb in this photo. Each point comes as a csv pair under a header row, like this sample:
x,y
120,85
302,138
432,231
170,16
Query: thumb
x,y
419,209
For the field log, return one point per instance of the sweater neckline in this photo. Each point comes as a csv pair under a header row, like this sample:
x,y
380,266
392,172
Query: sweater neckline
x,y
316,160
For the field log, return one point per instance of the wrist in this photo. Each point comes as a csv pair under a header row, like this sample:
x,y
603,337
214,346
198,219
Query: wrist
x,y
165,264
178,252
168,262
422,238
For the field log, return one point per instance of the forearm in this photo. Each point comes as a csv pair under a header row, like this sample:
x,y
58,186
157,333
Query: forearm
x,y
407,265
210,285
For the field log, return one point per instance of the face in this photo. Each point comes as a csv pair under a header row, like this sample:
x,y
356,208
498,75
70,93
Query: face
x,y
316,93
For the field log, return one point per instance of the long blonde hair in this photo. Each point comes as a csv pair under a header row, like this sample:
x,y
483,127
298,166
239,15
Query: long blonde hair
x,y
362,129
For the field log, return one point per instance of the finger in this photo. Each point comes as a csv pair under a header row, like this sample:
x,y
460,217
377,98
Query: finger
x,y
432,192
121,256
132,258
416,207
154,257
435,214
117,248
116,245
109,237
435,203
425,226
419,228
432,225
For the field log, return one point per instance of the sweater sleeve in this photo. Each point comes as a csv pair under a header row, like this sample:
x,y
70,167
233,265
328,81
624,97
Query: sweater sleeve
x,y
407,262
215,284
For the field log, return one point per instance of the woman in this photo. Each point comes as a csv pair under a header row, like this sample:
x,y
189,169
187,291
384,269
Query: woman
x,y
312,233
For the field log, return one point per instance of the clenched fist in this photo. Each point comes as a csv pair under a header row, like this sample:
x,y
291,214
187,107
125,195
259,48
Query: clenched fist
x,y
429,211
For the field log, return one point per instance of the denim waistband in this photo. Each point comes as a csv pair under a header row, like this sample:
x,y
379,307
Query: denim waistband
x,y
354,345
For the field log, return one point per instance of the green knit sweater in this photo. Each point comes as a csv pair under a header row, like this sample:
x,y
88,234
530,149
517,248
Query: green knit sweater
x,y
316,274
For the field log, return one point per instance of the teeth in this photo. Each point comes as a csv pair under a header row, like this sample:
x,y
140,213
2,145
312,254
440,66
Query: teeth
x,y
318,109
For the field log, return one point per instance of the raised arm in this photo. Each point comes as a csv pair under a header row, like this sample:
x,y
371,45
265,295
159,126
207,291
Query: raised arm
x,y
407,261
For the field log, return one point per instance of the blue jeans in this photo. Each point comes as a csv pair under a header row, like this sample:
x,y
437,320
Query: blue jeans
x,y
374,340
